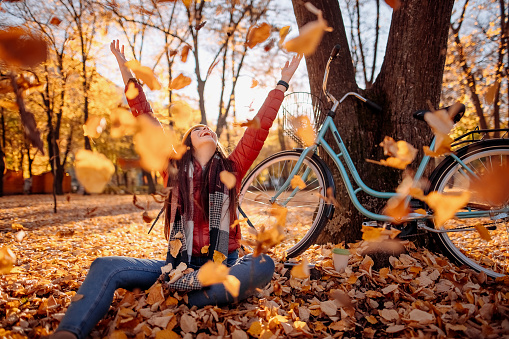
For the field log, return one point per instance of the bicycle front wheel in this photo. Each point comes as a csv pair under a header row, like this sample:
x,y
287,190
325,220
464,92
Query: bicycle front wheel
x,y
307,211
467,247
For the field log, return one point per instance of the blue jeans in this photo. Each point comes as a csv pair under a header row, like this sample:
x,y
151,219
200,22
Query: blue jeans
x,y
109,273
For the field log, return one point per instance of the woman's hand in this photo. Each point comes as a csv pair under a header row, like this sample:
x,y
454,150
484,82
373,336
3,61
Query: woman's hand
x,y
117,52
290,67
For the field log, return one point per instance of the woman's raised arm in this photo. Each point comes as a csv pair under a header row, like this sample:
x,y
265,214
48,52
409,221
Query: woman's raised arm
x,y
121,60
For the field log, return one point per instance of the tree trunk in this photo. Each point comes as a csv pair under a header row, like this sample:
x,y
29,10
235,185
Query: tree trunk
x,y
411,75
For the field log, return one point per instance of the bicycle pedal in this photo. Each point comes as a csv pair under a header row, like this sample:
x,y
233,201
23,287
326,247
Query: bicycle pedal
x,y
370,223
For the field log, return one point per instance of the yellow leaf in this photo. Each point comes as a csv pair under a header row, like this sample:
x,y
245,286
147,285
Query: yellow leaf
x,y
309,37
445,206
483,232
205,249
442,146
180,82
122,123
254,83
117,335
181,114
255,329
93,170
228,179
132,92
297,182
212,273
421,211
301,271
17,227
397,207
175,246
401,153
370,233
218,257
7,260
371,319
258,34
144,73
283,32
439,121
94,126
236,222
187,3
232,285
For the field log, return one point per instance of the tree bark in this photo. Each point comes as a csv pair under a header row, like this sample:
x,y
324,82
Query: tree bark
x,y
411,75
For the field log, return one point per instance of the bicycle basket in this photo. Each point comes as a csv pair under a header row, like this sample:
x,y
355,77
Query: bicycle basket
x,y
298,104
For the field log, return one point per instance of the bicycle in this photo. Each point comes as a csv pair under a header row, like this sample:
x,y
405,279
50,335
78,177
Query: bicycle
x,y
269,182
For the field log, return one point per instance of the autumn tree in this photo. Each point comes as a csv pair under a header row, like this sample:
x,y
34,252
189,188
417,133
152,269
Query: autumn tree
x,y
410,78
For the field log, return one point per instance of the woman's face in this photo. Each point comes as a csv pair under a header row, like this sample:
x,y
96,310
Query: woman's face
x,y
203,137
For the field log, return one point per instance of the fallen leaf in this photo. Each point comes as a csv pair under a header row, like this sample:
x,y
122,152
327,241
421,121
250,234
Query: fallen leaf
x,y
188,323
228,179
17,227
389,315
77,297
180,82
20,235
310,34
258,34
144,73
181,114
93,170
297,182
421,317
371,233
155,294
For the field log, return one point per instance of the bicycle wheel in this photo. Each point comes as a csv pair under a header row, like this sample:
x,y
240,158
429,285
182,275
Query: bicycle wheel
x,y
466,247
307,211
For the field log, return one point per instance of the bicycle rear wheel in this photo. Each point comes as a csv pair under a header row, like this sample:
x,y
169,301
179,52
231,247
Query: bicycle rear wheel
x,y
307,211
467,247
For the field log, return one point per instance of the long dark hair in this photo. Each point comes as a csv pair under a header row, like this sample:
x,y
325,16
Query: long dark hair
x,y
179,177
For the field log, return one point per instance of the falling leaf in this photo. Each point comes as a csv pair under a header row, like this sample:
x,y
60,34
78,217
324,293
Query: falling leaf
x,y
395,4
175,246
304,129
491,186
181,114
55,21
279,212
236,222
310,34
20,235
7,260
122,123
200,25
132,92
370,233
301,271
258,34
254,83
445,206
297,182
283,32
218,257
439,121
77,297
180,82
232,285
254,123
397,207
205,249
442,146
94,126
483,232
21,47
93,170
144,73
228,179
212,273
489,97
136,204
187,3
269,45
184,52
401,153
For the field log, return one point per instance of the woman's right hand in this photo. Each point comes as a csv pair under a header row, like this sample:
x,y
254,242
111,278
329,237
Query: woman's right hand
x,y
117,52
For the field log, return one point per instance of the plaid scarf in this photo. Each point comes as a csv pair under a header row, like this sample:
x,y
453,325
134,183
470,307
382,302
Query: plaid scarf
x,y
181,226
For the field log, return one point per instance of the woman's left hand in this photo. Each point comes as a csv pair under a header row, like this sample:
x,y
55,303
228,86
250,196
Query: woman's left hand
x,y
290,67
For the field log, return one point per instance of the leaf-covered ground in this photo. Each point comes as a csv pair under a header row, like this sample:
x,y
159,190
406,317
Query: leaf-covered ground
x,y
420,294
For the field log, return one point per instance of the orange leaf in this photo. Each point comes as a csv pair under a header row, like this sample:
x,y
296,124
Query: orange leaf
x,y
55,21
310,35
395,4
180,82
370,233
132,92
218,257
445,206
181,114
212,273
93,170
492,185
155,294
297,182
258,34
228,179
254,83
7,260
232,285
122,122
21,47
94,126
184,53
283,32
144,73
489,97
279,212
301,271
205,249
442,146
175,246
304,129
397,207
253,123
146,218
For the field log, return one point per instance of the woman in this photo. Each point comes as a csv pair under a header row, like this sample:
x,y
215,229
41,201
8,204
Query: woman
x,y
199,212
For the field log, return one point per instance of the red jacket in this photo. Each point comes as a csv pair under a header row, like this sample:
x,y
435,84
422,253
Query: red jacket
x,y
242,156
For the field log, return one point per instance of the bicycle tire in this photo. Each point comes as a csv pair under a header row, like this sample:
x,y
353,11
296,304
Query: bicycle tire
x,y
255,191
464,247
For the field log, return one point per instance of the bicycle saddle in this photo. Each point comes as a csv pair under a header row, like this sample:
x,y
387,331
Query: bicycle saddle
x,y
419,115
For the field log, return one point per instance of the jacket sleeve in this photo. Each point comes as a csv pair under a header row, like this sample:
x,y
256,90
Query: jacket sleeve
x,y
138,105
252,141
